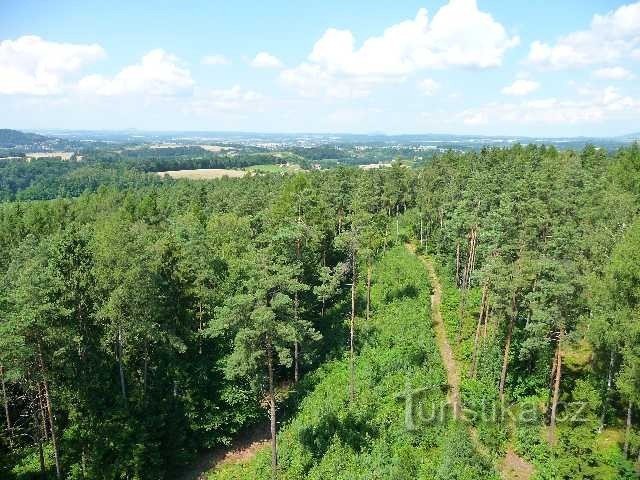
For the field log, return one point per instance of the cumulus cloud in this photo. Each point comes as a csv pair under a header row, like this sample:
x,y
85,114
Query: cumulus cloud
x,y
470,117
233,99
614,73
215,59
428,86
266,60
311,80
158,73
30,65
458,35
521,87
609,38
597,106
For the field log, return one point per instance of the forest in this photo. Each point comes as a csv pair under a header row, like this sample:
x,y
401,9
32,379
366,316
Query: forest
x,y
145,321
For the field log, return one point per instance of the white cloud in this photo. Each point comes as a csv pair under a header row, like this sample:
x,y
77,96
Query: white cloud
x,y
458,35
595,106
312,80
428,86
470,117
614,73
521,87
30,65
233,99
265,60
215,59
609,38
158,73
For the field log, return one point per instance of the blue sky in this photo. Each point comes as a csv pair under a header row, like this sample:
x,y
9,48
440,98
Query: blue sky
x,y
457,66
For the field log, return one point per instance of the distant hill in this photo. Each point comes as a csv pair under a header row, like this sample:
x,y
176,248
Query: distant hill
x,y
14,138
631,136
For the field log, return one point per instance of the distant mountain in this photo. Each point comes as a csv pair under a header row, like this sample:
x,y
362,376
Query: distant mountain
x,y
14,138
629,137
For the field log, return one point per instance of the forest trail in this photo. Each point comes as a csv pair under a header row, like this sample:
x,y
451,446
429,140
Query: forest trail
x,y
512,467
243,449
453,375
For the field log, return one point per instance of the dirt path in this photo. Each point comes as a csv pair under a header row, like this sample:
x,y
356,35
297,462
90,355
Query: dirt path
x,y
242,449
450,366
512,467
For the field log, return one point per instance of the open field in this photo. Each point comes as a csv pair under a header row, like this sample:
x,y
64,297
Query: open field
x,y
62,155
204,173
289,168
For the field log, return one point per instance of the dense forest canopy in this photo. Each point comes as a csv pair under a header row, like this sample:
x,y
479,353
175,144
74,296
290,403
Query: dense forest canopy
x,y
144,319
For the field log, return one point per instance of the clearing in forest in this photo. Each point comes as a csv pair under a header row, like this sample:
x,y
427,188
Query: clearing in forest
x,y
512,467
453,375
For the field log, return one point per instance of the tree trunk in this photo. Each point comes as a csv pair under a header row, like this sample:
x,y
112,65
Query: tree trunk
x,y
200,314
272,413
458,264
386,234
296,307
43,415
474,359
627,433
487,315
296,363
146,371
6,406
52,418
352,374
556,389
471,260
38,439
507,345
83,463
123,387
605,403
421,232
296,345
368,288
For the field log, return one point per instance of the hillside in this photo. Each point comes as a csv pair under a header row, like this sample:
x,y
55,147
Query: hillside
x,y
15,138
150,326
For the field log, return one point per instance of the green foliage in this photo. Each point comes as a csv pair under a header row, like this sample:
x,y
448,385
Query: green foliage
x,y
147,308
330,437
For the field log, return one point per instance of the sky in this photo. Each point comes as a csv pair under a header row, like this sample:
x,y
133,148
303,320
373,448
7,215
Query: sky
x,y
485,67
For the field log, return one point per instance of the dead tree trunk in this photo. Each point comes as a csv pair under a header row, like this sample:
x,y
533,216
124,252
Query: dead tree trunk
x,y
352,374
627,433
5,400
43,415
37,436
296,308
272,412
481,318
368,288
296,363
123,387
52,422
507,345
458,264
200,315
605,403
556,388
